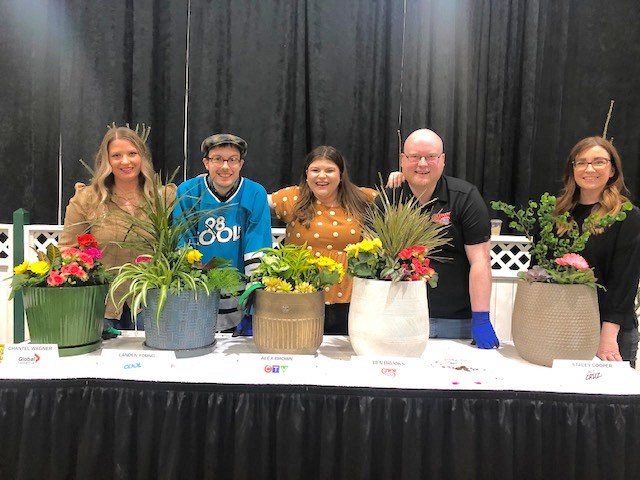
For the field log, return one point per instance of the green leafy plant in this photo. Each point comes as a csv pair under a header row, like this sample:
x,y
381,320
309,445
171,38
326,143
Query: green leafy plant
x,y
554,258
70,267
400,239
293,269
168,266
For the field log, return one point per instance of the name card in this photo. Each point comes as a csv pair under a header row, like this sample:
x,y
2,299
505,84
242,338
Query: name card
x,y
275,367
587,371
388,367
133,361
30,355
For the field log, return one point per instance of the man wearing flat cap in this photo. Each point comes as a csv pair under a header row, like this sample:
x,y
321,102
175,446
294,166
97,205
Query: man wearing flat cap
x,y
239,230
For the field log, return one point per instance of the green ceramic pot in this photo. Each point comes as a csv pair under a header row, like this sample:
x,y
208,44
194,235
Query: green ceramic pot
x,y
70,317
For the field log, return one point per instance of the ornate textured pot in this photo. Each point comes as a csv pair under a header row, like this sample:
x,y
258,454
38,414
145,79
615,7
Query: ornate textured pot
x,y
555,321
288,322
187,322
389,318
70,317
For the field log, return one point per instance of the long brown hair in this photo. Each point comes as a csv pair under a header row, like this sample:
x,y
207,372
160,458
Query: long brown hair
x,y
613,195
103,179
351,198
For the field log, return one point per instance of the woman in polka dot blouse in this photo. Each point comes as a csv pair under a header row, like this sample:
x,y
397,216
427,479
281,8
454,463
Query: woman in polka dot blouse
x,y
326,212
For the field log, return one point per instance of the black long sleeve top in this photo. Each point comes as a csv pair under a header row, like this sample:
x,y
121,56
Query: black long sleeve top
x,y
614,255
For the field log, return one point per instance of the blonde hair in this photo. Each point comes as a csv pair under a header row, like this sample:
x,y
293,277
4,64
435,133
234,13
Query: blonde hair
x,y
612,196
101,185
351,198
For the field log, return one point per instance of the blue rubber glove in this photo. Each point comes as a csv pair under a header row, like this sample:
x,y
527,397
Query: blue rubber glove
x,y
482,331
245,329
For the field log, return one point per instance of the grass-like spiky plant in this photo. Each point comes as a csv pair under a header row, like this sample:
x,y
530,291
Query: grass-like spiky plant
x,y
167,265
397,235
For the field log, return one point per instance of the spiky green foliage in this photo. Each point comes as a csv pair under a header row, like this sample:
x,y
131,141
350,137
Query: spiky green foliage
x,y
403,224
172,273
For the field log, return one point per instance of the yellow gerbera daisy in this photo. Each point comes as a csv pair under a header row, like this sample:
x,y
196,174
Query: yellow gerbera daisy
x,y
39,268
22,268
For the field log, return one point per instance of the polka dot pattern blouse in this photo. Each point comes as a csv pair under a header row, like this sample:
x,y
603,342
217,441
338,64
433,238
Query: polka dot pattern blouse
x,y
329,232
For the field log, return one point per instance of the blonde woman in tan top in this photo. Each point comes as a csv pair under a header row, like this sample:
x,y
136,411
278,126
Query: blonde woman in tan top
x,y
123,176
325,211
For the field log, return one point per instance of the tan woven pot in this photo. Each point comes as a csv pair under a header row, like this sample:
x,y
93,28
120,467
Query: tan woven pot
x,y
288,322
555,321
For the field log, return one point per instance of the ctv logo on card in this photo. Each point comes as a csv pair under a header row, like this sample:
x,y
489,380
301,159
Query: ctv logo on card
x,y
275,368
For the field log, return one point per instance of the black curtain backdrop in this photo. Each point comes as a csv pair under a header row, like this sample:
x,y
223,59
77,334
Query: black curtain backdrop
x,y
511,86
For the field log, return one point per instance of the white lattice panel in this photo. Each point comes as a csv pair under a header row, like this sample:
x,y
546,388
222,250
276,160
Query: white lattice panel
x,y
509,255
39,237
277,235
6,269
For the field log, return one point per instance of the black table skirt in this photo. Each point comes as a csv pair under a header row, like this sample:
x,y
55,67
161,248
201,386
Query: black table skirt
x,y
116,429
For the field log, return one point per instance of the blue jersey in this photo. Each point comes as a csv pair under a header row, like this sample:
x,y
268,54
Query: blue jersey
x,y
235,229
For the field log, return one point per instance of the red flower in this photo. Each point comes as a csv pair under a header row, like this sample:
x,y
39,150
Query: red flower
x,y
415,251
143,258
75,270
87,240
85,258
55,279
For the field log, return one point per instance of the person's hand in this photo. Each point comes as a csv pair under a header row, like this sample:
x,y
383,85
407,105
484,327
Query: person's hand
x,y
482,331
608,350
395,179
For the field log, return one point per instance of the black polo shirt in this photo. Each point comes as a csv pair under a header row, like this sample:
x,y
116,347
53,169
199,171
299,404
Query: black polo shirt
x,y
459,205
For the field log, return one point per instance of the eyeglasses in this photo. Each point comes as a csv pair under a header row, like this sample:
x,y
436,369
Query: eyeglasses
x,y
431,159
231,161
595,163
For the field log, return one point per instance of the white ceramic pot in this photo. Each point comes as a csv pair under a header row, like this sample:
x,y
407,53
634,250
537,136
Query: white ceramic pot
x,y
389,318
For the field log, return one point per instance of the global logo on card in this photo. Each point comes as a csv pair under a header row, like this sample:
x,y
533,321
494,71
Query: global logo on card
x,y
275,368
29,360
443,218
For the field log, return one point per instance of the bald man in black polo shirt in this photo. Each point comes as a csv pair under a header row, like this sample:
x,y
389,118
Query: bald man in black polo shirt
x,y
459,306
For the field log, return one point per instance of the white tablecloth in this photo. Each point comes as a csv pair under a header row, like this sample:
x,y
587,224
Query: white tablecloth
x,y
445,365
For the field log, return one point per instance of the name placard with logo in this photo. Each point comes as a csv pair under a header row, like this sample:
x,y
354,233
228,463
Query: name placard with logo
x,y
32,355
388,369
276,368
133,362
592,372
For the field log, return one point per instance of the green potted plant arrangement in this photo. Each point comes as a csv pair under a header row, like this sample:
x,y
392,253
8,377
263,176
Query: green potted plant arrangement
x,y
389,313
555,312
289,299
64,295
177,295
